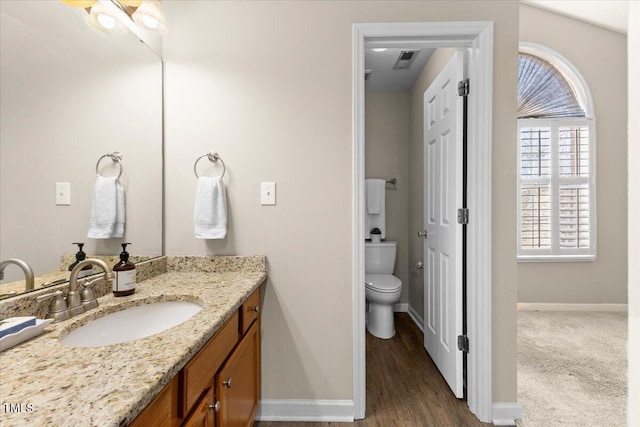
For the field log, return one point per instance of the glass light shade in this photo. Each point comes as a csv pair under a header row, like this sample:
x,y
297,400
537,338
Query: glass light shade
x,y
102,19
79,3
149,15
131,3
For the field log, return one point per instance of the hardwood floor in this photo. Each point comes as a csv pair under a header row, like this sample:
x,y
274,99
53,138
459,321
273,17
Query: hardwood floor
x,y
404,387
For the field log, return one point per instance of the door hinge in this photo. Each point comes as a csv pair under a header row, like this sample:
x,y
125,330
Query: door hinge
x,y
463,87
463,216
463,343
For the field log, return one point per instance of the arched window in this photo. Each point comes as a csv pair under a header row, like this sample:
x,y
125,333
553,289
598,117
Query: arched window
x,y
556,159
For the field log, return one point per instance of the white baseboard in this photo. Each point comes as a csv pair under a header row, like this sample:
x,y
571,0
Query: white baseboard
x,y
309,410
543,306
417,319
506,414
400,307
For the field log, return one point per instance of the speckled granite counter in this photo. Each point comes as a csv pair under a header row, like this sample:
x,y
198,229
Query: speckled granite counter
x,y
46,279
109,386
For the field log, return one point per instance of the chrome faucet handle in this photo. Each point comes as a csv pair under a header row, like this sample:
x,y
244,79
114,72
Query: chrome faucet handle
x,y
87,296
74,303
58,308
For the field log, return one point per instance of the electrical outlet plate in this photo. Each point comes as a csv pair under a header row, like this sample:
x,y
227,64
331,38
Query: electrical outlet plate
x,y
267,193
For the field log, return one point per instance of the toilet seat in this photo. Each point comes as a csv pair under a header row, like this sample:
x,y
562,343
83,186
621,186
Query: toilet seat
x,y
383,283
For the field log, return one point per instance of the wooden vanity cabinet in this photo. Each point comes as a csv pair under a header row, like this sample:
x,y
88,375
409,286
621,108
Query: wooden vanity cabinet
x,y
203,414
163,411
220,385
237,384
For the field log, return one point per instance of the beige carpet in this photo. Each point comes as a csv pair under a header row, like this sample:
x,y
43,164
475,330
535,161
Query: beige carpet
x,y
572,368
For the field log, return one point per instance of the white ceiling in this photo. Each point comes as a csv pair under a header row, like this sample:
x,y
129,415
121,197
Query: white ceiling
x,y
384,77
610,14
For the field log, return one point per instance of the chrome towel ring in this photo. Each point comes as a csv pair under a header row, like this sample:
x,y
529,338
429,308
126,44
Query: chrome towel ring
x,y
116,157
213,157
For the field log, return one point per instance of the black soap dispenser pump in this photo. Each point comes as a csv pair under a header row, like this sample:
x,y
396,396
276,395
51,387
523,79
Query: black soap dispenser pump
x,y
81,256
125,271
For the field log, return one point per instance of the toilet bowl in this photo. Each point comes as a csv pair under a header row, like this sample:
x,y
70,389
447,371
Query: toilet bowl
x,y
382,288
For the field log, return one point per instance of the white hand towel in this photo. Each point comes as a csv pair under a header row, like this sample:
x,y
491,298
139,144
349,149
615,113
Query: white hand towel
x,y
375,188
210,211
118,228
375,195
103,208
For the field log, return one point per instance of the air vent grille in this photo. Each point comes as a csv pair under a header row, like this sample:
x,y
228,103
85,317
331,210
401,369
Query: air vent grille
x,y
405,59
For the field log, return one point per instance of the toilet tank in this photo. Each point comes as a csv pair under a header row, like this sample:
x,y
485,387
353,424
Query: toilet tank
x,y
379,258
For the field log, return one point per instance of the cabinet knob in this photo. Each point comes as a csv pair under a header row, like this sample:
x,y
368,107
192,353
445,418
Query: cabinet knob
x,y
422,234
216,407
255,309
228,383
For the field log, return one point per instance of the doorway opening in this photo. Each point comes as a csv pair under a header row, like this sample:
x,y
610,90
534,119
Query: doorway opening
x,y
476,39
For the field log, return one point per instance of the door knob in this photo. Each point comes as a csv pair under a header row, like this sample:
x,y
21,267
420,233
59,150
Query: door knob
x,y
228,382
422,234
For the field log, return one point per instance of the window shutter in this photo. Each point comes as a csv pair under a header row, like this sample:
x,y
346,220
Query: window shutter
x,y
543,92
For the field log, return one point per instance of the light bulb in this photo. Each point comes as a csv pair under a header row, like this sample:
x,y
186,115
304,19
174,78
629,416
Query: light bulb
x,y
107,22
379,49
150,22
149,15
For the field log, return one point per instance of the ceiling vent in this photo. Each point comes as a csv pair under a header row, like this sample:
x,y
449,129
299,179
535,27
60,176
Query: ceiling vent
x,y
367,73
405,59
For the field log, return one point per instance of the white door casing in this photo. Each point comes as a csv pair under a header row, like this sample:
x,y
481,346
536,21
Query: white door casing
x,y
478,38
443,244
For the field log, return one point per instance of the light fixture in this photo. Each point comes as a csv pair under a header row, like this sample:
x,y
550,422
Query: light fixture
x,y
150,16
113,16
379,49
103,19
79,3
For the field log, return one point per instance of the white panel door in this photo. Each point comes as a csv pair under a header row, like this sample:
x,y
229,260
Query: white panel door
x,y
443,244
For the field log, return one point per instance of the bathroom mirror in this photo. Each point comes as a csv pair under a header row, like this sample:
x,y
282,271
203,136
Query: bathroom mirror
x,y
70,94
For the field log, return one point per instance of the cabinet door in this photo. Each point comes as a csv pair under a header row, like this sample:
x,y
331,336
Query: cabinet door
x,y
163,410
238,382
203,415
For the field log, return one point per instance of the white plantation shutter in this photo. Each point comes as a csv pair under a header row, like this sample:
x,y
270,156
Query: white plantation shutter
x,y
556,189
556,159
535,190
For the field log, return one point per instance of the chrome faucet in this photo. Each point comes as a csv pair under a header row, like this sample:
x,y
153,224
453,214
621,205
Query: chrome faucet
x,y
28,272
75,302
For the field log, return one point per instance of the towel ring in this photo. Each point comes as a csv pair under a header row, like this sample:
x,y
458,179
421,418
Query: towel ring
x,y
213,157
116,156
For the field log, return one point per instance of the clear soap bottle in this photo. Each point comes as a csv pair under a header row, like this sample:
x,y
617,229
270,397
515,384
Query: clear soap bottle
x,y
125,271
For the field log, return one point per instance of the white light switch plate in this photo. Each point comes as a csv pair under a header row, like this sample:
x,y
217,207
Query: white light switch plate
x,y
268,193
63,193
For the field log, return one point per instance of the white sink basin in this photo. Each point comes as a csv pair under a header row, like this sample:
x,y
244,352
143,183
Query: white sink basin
x,y
131,324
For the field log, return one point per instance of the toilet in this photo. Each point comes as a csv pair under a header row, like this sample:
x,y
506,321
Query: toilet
x,y
382,288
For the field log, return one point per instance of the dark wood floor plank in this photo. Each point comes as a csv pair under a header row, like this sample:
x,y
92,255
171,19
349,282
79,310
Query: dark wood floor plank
x,y
404,387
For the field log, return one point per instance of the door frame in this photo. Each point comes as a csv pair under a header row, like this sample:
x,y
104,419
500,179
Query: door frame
x,y
478,37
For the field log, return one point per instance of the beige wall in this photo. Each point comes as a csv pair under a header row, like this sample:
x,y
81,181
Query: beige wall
x,y
633,410
416,170
601,56
387,116
268,86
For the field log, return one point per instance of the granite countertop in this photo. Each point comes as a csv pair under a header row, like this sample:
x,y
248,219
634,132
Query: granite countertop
x,y
43,382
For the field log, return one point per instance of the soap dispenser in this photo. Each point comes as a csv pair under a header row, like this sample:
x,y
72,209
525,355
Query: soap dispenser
x,y
81,256
125,271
